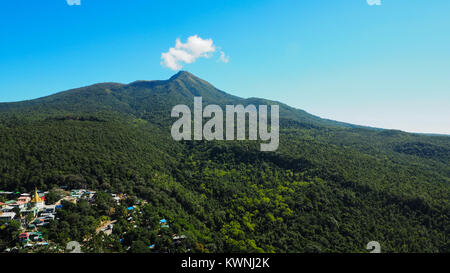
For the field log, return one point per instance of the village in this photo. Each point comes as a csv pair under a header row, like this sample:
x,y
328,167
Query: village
x,y
33,212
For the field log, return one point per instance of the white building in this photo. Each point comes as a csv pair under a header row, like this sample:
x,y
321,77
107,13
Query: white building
x,y
8,216
6,209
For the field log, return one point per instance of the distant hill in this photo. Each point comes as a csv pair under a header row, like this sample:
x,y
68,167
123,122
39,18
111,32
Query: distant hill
x,y
330,187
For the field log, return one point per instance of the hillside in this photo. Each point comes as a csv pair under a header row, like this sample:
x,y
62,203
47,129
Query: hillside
x,y
330,187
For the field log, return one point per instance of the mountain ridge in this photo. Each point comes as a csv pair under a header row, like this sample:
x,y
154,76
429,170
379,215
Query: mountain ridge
x,y
180,88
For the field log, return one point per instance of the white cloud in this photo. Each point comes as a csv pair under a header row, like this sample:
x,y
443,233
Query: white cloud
x,y
186,53
73,2
374,2
224,58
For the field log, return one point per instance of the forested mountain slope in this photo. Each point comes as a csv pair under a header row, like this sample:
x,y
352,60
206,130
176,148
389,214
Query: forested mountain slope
x,y
330,187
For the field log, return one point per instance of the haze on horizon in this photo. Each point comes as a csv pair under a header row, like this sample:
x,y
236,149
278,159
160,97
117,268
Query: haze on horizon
x,y
383,66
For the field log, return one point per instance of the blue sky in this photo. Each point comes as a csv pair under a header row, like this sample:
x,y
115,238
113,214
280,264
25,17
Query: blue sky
x,y
386,66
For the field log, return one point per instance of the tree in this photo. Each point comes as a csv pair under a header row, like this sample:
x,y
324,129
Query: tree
x,y
53,196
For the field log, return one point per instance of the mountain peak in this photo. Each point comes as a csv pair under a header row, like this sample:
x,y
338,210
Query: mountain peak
x,y
188,79
183,75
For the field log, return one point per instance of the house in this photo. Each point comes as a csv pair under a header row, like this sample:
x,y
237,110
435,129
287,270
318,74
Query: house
x,y
49,209
7,216
163,223
91,195
24,237
40,220
35,236
18,205
25,195
24,199
77,193
48,216
179,237
29,210
21,202
6,208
